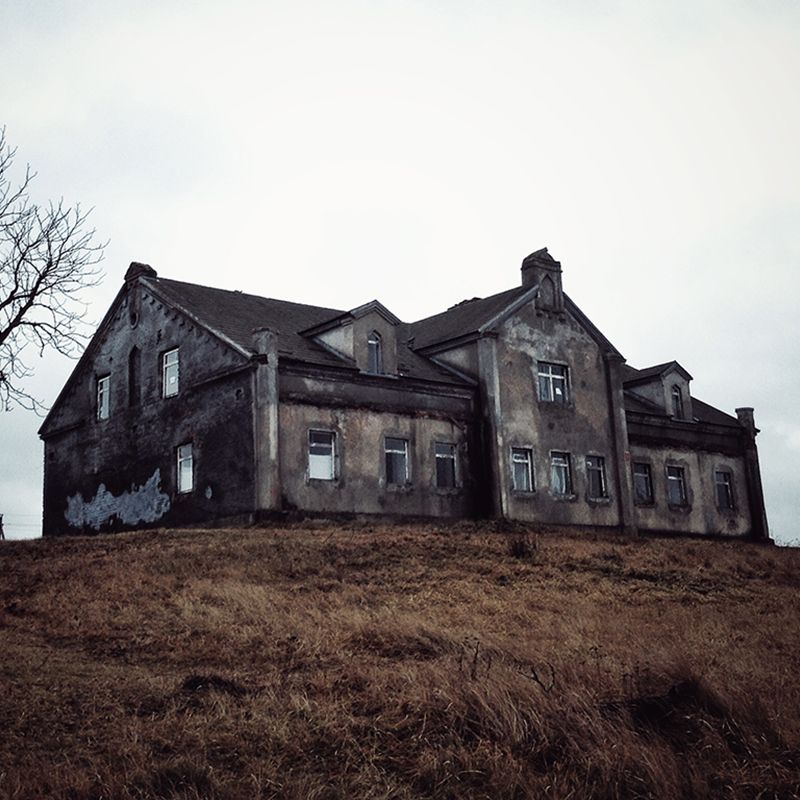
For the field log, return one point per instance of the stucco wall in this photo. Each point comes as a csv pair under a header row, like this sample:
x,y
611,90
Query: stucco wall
x,y
360,483
581,427
701,514
121,471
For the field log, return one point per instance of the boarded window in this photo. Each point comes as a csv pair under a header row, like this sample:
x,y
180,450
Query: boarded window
x,y
321,455
396,453
445,465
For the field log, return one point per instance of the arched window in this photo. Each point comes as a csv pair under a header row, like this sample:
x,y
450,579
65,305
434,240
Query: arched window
x,y
677,402
547,293
374,354
134,368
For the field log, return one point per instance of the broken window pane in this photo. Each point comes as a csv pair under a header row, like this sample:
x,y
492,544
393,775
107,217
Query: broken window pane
x,y
596,474
396,452
445,465
676,486
724,485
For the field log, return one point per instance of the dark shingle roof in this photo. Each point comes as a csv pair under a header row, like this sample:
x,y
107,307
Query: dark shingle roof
x,y
703,412
463,319
235,315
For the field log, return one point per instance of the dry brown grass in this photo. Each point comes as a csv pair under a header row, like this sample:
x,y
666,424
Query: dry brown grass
x,y
397,662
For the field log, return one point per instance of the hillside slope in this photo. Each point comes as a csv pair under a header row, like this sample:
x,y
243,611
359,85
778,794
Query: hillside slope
x,y
397,662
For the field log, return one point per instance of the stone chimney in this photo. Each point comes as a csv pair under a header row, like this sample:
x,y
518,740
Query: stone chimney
x,y
747,419
542,269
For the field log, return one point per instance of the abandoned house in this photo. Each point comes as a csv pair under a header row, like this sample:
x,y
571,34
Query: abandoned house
x,y
193,405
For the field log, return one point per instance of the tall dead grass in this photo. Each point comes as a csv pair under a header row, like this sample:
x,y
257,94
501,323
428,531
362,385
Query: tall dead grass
x,y
397,662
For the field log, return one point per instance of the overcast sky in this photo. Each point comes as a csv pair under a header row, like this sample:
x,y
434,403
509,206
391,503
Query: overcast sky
x,y
334,152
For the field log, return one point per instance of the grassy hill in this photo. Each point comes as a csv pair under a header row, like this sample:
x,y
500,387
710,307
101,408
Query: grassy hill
x,y
397,662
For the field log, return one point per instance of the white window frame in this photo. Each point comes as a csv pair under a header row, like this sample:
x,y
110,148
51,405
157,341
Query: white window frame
x,y
167,366
728,484
549,375
374,346
184,454
103,389
680,480
560,459
316,471
524,456
396,451
600,468
649,475
451,456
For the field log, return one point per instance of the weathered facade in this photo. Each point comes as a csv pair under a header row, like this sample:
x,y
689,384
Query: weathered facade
x,y
195,405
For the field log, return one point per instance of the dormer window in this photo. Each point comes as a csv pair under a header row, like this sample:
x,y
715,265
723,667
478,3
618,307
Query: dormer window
x,y
677,402
374,354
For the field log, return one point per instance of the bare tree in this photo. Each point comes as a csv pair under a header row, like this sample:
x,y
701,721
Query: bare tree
x,y
48,256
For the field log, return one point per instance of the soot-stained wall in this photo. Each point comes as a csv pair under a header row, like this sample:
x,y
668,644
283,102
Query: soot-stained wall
x,y
121,472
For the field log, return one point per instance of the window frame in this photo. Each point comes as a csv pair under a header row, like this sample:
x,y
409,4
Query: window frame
x,y
333,455
677,402
547,377
527,460
650,487
406,460
565,457
165,393
180,459
102,393
375,345
728,484
600,468
680,481
452,457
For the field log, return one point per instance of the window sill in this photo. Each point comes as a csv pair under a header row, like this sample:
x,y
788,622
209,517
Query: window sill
x,y
598,501
399,488
684,508
448,491
564,498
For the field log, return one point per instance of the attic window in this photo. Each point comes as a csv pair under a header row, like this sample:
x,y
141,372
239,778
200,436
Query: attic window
x,y
374,354
552,383
677,402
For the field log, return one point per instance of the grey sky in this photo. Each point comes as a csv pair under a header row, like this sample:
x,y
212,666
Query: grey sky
x,y
332,152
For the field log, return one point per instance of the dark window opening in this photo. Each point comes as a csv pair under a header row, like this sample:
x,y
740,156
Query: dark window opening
x,y
642,484
596,473
445,465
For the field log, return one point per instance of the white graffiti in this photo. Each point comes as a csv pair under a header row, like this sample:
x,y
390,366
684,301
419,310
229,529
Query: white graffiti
x,y
145,503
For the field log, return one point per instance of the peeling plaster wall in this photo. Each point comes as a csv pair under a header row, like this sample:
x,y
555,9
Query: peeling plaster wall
x,y
582,427
103,459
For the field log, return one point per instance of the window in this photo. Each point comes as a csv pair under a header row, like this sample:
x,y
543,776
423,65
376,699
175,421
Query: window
x,y
677,402
169,373
522,469
676,486
396,451
552,383
374,354
445,465
321,455
723,481
560,473
642,484
103,397
596,474
185,469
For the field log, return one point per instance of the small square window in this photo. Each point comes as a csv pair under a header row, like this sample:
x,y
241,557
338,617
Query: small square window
x,y
553,383
185,469
445,454
170,369
560,473
322,455
103,397
642,484
676,486
522,469
723,481
596,474
396,454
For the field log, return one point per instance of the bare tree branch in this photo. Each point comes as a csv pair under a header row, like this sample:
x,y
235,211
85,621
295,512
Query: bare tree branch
x,y
48,256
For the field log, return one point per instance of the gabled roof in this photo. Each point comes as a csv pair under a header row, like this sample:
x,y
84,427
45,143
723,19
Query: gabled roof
x,y
347,317
631,376
703,412
234,315
471,318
